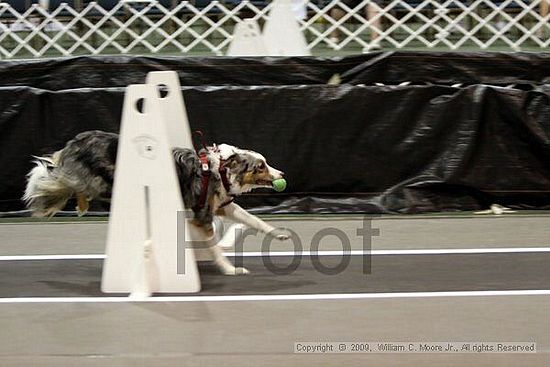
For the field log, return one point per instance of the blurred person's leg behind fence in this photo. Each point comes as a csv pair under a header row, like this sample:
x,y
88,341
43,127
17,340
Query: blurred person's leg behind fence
x,y
371,12
544,12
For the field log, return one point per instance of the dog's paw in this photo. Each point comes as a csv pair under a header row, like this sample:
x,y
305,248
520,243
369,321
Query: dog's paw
x,y
279,234
235,271
81,212
241,271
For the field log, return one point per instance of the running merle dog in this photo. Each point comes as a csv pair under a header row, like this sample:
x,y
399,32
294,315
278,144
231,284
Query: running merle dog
x,y
84,169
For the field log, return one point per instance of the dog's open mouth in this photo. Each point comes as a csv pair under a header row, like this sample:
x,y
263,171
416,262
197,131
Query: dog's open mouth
x,y
263,182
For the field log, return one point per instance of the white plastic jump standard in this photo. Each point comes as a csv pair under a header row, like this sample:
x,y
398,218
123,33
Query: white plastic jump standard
x,y
173,108
282,34
142,242
281,37
247,40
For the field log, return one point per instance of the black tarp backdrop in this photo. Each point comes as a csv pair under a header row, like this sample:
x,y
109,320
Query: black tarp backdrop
x,y
387,68
355,147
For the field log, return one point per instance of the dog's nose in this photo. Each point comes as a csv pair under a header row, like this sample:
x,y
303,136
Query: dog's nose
x,y
275,173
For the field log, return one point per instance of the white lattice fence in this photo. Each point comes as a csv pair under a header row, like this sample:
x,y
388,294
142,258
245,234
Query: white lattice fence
x,y
182,27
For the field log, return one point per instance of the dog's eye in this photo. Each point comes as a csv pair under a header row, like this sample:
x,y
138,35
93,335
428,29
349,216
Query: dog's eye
x,y
261,166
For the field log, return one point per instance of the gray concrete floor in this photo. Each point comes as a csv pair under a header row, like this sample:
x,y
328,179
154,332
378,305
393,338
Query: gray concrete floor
x,y
252,333
395,233
263,333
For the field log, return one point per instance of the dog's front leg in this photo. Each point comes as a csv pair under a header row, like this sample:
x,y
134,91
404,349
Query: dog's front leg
x,y
239,215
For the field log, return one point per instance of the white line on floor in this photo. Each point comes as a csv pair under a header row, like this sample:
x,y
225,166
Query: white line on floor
x,y
501,250
459,251
52,257
277,297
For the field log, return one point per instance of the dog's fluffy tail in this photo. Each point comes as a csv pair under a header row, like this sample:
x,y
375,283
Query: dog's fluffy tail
x,y
46,193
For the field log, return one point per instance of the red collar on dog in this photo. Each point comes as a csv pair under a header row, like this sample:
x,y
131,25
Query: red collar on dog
x,y
205,180
223,174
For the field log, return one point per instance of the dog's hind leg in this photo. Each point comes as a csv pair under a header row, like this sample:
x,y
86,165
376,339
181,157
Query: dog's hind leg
x,y
224,265
82,204
215,252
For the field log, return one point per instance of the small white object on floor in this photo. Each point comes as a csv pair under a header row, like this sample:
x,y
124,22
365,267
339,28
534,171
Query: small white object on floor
x,y
335,80
496,209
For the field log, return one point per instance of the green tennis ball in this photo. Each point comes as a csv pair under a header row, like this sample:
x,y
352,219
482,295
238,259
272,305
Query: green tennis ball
x,y
279,185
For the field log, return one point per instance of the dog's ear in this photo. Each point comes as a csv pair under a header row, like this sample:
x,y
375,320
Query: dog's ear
x,y
237,163
232,161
